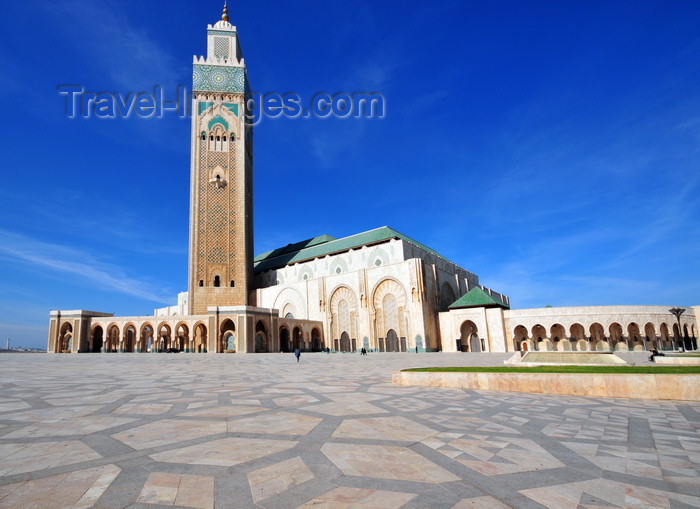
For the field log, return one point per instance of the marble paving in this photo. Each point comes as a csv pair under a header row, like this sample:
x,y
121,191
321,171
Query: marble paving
x,y
263,431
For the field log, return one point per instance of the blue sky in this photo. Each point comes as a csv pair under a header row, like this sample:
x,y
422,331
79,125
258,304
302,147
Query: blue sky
x,y
552,148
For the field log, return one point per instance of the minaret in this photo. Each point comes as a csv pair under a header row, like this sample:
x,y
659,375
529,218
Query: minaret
x,y
221,179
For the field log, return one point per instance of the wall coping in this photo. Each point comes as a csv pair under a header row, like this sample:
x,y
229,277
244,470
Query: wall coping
x,y
598,385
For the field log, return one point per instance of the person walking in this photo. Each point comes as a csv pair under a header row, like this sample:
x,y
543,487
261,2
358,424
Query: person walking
x,y
297,353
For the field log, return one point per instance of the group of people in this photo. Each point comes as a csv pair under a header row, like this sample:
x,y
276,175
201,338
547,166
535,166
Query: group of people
x,y
363,351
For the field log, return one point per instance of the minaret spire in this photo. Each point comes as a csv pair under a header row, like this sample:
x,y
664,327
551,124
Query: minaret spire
x,y
224,15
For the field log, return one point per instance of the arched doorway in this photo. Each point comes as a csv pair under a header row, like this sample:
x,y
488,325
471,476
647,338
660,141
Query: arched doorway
x,y
200,338
228,336
96,339
635,337
392,341
260,337
578,336
182,335
297,339
163,337
616,339
344,342
539,338
146,342
650,340
65,340
559,339
390,314
315,340
129,339
598,340
467,331
520,338
687,342
285,342
112,342
665,338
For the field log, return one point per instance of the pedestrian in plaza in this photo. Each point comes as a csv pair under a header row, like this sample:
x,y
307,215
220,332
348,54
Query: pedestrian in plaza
x,y
297,353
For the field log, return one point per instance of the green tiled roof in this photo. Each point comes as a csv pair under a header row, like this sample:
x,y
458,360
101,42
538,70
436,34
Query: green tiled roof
x,y
476,297
291,248
326,245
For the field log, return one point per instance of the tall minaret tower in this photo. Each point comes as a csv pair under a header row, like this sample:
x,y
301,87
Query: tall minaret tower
x,y
221,193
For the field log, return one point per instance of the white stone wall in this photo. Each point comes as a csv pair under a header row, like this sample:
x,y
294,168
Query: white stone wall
x,y
498,326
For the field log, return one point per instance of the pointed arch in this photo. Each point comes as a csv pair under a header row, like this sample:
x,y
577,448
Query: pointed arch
x,y
389,305
343,308
290,301
447,296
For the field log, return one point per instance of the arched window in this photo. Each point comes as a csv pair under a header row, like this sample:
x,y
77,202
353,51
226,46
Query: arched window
x,y
217,281
204,136
233,283
218,139
201,282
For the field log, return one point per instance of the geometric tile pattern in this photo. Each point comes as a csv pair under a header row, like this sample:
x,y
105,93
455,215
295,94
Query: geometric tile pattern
x,y
263,431
216,78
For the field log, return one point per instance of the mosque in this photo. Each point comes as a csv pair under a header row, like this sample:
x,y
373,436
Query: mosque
x,y
379,290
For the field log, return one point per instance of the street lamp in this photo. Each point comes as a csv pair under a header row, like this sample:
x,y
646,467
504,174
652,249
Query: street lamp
x,y
677,312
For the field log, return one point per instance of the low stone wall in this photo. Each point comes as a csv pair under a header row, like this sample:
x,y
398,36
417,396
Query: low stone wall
x,y
678,360
652,386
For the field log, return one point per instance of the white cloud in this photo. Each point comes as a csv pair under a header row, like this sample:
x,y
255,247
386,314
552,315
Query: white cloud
x,y
127,54
63,260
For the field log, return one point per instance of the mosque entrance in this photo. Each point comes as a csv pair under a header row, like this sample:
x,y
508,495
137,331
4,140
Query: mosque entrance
x,y
344,342
392,341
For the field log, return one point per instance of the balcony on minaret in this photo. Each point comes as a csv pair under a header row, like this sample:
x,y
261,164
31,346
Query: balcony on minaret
x,y
218,182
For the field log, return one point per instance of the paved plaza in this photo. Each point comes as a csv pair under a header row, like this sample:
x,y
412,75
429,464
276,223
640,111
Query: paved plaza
x,y
239,431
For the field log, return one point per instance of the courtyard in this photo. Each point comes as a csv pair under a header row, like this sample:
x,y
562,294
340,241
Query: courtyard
x,y
239,431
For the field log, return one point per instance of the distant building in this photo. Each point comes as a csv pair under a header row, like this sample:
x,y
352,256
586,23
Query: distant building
x,y
379,289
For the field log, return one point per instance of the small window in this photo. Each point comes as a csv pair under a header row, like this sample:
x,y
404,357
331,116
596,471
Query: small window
x,y
223,138
201,282
218,138
204,136
217,281
233,283
211,138
233,137
338,270
377,262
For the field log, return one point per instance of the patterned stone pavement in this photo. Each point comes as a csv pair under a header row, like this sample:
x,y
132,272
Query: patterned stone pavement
x,y
184,430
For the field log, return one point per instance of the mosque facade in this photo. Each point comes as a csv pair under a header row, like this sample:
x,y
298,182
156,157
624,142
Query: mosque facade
x,y
379,290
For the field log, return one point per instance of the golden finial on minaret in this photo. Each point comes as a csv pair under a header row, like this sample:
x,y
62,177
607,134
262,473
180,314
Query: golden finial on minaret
x,y
224,16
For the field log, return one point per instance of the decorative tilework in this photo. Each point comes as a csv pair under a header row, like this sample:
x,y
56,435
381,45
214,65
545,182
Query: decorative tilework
x,y
204,106
227,33
218,120
233,108
215,78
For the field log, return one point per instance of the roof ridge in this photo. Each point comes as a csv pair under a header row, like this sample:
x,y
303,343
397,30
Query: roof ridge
x,y
476,297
